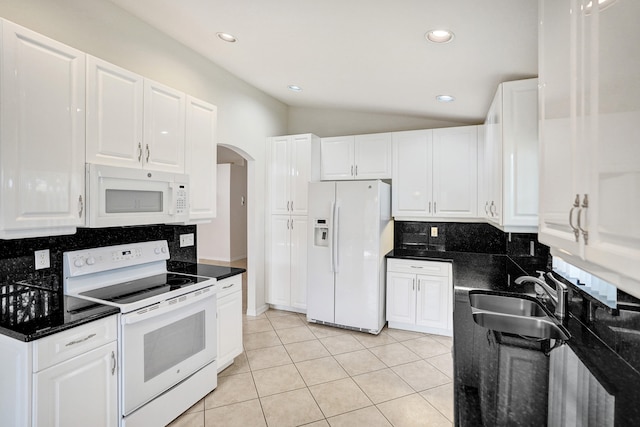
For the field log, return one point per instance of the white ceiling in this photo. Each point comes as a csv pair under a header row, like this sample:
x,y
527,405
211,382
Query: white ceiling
x,y
361,55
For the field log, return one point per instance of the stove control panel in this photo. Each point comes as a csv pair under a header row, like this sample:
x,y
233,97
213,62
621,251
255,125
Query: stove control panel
x,y
107,258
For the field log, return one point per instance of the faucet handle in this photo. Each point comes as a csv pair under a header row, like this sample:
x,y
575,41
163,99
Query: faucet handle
x,y
559,285
540,274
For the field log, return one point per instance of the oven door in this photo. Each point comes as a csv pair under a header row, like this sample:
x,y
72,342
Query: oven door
x,y
163,344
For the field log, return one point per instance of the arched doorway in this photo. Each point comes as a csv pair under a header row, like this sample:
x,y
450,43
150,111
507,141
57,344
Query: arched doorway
x,y
228,248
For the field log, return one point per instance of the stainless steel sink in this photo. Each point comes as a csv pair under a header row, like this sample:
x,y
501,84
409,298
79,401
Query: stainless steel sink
x,y
515,315
507,305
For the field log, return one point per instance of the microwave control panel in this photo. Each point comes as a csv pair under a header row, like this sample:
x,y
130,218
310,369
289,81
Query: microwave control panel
x,y
181,200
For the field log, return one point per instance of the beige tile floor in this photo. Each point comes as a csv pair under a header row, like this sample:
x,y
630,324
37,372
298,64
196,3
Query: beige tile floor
x,y
294,373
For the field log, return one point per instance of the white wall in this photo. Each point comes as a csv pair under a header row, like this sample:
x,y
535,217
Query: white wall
x,y
214,238
332,122
246,116
225,237
238,213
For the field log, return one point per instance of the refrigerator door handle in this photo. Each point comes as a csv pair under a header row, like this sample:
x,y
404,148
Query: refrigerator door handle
x,y
336,244
331,247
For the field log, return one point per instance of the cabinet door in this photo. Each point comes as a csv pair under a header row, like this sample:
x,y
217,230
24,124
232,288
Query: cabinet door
x,y
279,175
299,261
42,137
300,158
455,172
434,302
201,158
164,123
493,159
280,265
560,125
401,297
412,173
337,158
79,392
373,156
229,326
520,153
114,115
612,211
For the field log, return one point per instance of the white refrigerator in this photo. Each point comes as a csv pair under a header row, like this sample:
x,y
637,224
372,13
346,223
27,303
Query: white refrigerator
x,y
350,231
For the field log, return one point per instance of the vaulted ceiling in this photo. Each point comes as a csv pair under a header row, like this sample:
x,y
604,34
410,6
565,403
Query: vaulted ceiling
x,y
361,55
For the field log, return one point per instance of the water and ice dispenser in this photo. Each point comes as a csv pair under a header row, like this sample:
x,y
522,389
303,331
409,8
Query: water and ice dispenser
x,y
321,235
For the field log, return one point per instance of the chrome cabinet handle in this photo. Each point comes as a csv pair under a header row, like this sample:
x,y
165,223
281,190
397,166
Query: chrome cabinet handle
x,y
418,285
414,284
351,170
435,210
292,224
429,207
356,170
139,152
292,206
584,207
576,204
148,153
80,340
80,206
113,363
486,208
287,224
228,286
288,206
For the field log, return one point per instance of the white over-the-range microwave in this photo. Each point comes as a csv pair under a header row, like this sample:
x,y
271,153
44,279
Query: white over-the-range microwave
x,y
118,196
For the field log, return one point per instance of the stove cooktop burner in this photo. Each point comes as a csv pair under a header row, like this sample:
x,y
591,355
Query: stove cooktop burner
x,y
141,289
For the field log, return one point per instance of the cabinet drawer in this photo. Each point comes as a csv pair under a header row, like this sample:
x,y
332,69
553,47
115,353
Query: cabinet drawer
x,y
73,342
229,285
431,268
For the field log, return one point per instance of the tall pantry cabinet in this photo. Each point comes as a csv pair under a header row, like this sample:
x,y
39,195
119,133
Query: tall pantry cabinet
x,y
289,171
589,132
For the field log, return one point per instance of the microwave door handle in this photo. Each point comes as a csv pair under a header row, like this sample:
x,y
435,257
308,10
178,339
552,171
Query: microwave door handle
x,y
172,196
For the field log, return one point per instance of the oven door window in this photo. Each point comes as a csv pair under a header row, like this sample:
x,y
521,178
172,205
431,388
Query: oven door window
x,y
163,345
171,345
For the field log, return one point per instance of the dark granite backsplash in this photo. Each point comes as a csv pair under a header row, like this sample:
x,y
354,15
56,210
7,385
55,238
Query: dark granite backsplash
x,y
466,237
17,256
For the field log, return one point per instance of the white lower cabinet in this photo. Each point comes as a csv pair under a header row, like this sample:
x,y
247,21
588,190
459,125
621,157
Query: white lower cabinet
x,y
81,391
66,379
420,296
229,322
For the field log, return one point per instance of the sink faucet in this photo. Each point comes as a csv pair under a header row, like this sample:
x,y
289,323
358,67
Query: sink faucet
x,y
559,296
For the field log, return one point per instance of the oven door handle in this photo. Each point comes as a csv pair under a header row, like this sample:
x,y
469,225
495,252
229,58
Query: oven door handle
x,y
166,307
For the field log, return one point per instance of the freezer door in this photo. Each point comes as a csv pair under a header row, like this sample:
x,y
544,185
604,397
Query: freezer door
x,y
357,292
320,274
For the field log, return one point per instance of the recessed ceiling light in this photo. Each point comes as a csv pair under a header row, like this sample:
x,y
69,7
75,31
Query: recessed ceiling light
x,y
295,88
227,37
445,98
439,36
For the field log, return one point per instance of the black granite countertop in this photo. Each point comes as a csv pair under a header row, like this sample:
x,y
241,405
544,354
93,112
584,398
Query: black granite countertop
x,y
605,343
29,312
33,310
217,272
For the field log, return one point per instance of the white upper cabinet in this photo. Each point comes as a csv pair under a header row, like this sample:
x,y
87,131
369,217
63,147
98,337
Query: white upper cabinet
x,y
590,127
201,158
164,127
42,135
114,115
510,155
435,173
356,157
455,172
133,121
290,170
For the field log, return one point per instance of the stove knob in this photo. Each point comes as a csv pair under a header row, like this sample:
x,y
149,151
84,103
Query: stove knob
x,y
79,262
156,250
91,260
164,250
